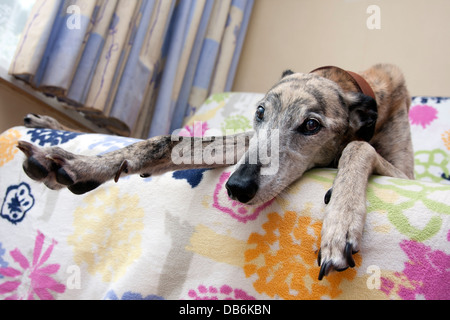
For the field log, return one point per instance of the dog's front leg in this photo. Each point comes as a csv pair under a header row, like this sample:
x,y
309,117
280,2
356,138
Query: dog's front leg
x,y
346,209
58,168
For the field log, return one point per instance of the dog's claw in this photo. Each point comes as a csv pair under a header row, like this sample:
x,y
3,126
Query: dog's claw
x,y
341,269
348,253
25,147
59,161
327,197
123,167
325,269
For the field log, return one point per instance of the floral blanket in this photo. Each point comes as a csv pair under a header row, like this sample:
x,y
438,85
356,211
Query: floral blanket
x,y
179,236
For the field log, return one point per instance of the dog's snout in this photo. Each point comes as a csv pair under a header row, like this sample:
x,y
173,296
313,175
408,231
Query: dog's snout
x,y
28,118
243,183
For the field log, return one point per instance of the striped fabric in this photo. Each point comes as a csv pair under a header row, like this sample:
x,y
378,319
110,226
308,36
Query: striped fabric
x,y
143,65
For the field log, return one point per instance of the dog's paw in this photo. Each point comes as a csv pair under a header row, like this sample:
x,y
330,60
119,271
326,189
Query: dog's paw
x,y
57,168
340,239
32,120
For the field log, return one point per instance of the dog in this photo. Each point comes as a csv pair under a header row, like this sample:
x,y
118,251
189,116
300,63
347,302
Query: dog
x,y
326,118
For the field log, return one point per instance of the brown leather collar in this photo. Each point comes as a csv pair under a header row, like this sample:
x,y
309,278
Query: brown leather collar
x,y
357,80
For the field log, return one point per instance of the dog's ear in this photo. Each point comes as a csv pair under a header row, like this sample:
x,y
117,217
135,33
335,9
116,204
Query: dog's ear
x,y
286,73
363,114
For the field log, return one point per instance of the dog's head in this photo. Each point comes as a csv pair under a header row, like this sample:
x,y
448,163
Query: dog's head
x,y
304,121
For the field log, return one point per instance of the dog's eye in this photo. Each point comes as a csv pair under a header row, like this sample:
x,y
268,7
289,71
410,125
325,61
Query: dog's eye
x,y
309,127
260,113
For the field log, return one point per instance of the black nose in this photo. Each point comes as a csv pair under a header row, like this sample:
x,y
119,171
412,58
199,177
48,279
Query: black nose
x,y
27,119
243,183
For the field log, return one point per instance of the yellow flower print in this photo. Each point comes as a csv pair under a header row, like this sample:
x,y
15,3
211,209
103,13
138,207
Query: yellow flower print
x,y
107,232
8,142
284,259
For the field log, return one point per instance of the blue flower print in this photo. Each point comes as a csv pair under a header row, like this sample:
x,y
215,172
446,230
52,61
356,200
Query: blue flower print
x,y
51,137
17,202
111,295
112,143
192,176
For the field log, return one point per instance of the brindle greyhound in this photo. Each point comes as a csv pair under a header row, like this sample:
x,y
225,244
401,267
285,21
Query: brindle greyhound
x,y
329,117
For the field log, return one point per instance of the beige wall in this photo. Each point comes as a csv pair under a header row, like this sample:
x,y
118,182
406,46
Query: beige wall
x,y
15,104
304,34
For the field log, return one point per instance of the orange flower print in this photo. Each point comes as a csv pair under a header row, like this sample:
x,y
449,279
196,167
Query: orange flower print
x,y
284,259
446,139
8,142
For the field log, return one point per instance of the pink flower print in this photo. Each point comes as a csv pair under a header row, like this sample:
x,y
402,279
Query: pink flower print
x,y
235,209
426,274
225,292
198,129
33,279
422,115
430,269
